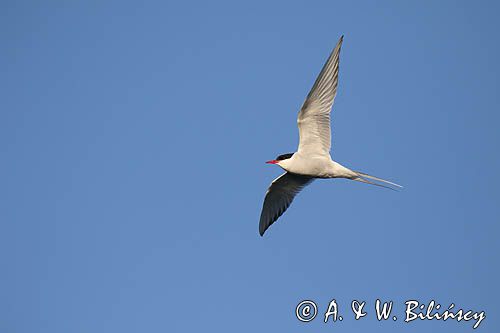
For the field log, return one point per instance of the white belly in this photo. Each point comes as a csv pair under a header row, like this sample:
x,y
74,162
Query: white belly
x,y
316,166
320,166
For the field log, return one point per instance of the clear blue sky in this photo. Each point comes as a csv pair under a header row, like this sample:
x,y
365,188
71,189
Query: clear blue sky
x,y
133,138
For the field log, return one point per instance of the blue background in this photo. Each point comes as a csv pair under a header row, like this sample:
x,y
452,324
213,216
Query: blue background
x,y
133,138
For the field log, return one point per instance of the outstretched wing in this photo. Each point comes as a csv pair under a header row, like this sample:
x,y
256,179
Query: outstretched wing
x,y
314,116
279,196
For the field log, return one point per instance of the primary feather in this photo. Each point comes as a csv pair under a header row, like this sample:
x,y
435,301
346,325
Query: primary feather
x,y
279,196
314,116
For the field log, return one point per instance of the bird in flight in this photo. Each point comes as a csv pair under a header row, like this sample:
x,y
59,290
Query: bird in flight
x,y
312,159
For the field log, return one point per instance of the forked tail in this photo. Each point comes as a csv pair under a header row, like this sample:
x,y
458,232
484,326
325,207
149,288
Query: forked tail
x,y
362,177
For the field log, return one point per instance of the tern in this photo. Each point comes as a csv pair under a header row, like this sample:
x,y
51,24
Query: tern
x,y
312,159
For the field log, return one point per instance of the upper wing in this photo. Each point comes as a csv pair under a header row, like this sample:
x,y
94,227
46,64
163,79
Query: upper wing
x,y
314,116
279,196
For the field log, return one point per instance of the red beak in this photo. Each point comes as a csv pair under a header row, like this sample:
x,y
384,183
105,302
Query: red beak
x,y
272,162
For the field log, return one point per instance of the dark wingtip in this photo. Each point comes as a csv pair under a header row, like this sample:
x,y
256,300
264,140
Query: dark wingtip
x,y
341,40
262,230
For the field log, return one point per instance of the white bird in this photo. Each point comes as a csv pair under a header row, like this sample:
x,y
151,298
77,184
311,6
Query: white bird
x,y
312,159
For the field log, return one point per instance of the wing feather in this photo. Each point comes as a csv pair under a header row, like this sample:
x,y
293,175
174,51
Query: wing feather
x,y
279,196
314,116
